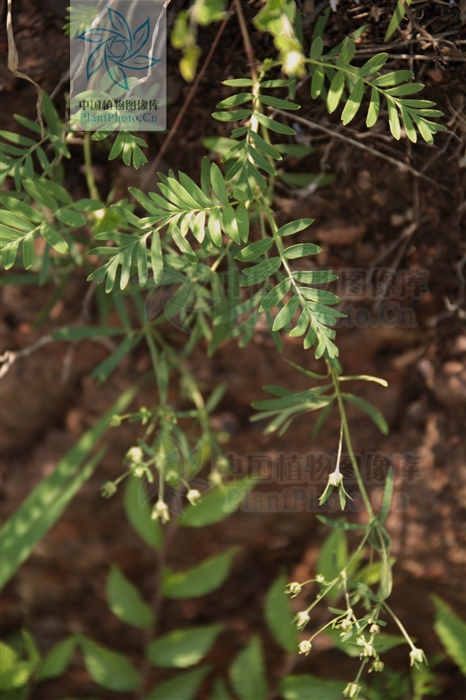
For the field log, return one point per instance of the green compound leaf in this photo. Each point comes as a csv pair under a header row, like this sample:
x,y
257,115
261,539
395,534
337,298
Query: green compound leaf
x,y
201,579
247,672
451,630
108,668
124,600
183,687
182,647
280,617
219,504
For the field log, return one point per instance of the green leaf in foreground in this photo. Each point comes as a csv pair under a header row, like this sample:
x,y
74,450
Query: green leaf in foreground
x,y
42,508
183,687
108,668
124,600
138,512
451,630
280,617
307,687
183,647
58,659
247,672
201,579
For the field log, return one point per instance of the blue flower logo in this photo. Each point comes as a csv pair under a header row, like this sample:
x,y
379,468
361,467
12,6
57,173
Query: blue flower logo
x,y
117,49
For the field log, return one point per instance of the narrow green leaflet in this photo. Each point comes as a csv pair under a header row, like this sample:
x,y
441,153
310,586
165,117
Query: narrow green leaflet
x,y
183,686
339,524
280,617
138,512
124,600
451,630
218,183
371,411
182,647
201,579
275,295
335,91
262,271
218,504
247,672
397,16
107,667
374,108
53,238
300,250
353,103
286,314
294,227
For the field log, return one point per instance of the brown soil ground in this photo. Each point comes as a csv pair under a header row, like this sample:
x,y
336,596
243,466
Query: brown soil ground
x,y
374,214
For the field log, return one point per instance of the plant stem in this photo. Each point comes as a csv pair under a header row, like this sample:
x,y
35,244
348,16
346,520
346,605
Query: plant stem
x,y
91,186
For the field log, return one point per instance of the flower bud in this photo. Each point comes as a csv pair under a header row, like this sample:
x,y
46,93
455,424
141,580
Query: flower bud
x,y
320,578
114,421
335,478
294,589
352,690
346,625
360,641
305,647
193,496
417,657
374,629
108,489
377,666
160,510
135,454
302,618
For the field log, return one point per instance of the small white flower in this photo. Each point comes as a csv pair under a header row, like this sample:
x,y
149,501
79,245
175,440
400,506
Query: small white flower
x,y
320,578
161,511
305,647
139,472
360,641
346,625
193,496
335,478
352,690
294,589
302,618
377,666
374,629
135,454
417,657
369,650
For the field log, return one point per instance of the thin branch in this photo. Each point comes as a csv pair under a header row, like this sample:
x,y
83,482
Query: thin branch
x,y
403,166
